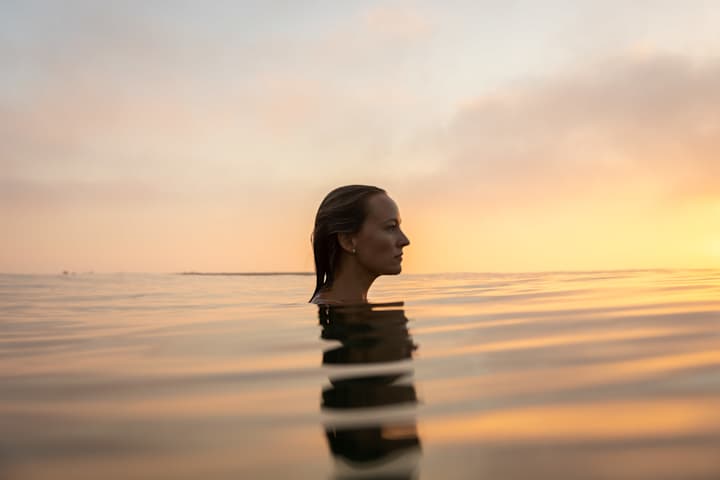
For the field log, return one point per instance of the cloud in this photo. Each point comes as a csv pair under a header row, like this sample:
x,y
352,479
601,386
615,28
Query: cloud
x,y
82,194
399,23
96,94
604,129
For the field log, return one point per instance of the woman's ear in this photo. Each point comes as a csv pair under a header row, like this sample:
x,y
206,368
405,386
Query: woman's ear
x,y
347,242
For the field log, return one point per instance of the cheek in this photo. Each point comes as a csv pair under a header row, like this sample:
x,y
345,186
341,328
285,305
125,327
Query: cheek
x,y
381,242
373,245
376,252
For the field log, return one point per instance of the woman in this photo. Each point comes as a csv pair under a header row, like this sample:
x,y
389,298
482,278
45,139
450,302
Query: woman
x,y
356,238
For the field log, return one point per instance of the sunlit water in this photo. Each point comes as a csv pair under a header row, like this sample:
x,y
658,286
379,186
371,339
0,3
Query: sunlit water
x,y
588,375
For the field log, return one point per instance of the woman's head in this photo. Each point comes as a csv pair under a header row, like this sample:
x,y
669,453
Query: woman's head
x,y
360,221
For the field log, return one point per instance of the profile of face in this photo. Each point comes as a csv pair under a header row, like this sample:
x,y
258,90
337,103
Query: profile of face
x,y
379,244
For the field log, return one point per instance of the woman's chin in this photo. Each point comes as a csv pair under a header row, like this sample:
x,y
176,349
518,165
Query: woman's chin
x,y
388,269
394,270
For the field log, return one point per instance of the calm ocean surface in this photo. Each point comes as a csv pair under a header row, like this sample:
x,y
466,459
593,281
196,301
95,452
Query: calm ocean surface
x,y
587,375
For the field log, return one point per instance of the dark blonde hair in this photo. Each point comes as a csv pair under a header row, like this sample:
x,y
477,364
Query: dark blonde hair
x,y
343,210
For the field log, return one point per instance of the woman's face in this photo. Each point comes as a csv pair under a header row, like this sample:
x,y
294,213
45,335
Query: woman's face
x,y
379,243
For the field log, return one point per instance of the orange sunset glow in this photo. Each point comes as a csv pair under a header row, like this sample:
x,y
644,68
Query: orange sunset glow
x,y
204,137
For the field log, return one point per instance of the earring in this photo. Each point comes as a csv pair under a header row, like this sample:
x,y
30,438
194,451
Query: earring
x,y
353,250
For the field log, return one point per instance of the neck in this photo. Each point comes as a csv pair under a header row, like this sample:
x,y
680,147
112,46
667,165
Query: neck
x,y
351,282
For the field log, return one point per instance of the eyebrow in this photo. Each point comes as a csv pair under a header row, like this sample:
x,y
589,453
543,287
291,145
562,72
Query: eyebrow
x,y
396,220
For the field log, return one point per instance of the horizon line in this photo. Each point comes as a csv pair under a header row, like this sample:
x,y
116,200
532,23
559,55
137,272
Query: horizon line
x,y
308,273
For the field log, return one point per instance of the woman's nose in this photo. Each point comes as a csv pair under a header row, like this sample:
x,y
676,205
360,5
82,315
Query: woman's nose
x,y
404,240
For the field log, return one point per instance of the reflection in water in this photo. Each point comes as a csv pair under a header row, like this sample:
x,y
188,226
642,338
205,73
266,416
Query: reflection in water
x,y
592,376
364,439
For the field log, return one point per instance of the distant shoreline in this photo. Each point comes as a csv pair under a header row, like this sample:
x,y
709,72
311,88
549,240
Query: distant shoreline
x,y
248,274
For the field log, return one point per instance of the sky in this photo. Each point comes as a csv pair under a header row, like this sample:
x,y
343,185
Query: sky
x,y
166,136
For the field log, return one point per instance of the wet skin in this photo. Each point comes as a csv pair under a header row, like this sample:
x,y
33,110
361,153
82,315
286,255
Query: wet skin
x,y
379,243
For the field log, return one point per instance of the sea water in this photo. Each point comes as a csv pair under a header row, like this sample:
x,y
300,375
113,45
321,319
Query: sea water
x,y
588,375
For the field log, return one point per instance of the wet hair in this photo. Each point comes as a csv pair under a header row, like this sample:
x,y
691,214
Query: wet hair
x,y
343,210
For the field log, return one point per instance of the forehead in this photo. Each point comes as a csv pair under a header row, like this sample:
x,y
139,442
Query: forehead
x,y
381,208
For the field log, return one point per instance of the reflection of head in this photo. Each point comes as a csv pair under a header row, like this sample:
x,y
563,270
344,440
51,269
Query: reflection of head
x,y
368,334
368,391
362,313
368,447
343,210
373,443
